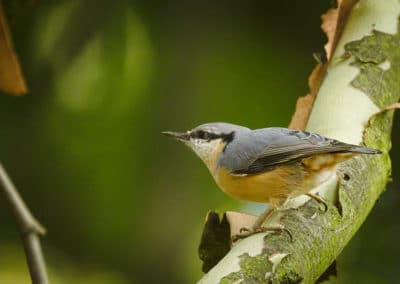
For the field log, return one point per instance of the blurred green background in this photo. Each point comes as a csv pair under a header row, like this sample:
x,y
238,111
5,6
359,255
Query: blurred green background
x,y
121,203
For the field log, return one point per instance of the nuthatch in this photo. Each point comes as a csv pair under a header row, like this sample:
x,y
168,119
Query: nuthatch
x,y
266,165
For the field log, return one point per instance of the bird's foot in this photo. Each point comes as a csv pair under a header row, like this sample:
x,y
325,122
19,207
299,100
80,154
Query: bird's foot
x,y
319,199
246,232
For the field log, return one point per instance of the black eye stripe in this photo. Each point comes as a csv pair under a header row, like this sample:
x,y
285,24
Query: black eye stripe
x,y
204,135
201,134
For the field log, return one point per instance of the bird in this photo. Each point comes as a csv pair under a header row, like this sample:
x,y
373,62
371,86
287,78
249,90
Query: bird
x,y
268,165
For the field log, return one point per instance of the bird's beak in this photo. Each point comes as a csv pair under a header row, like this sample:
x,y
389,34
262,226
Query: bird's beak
x,y
177,135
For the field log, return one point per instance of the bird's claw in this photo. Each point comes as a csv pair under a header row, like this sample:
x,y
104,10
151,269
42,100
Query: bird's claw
x,y
320,200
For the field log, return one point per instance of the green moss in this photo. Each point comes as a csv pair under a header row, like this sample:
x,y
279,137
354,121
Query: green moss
x,y
253,269
373,80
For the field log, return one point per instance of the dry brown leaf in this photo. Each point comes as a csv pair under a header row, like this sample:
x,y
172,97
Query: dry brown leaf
x,y
304,104
329,21
333,23
11,79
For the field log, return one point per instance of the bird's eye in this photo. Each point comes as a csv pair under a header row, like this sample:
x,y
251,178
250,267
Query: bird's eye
x,y
203,135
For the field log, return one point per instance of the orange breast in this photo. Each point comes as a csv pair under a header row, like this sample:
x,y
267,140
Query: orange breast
x,y
272,186
276,186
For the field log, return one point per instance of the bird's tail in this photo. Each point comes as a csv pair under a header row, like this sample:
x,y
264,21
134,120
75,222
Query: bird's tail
x,y
364,150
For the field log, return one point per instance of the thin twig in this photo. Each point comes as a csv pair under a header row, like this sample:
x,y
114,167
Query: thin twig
x,y
29,228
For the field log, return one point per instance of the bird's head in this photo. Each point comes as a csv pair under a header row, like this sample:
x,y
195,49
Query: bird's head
x,y
208,140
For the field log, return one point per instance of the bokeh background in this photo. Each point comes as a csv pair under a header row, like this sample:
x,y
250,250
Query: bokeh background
x,y
121,203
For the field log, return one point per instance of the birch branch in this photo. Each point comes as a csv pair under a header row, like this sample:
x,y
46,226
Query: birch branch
x,y
363,78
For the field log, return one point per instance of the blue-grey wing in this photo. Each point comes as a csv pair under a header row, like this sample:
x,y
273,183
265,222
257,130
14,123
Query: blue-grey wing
x,y
264,149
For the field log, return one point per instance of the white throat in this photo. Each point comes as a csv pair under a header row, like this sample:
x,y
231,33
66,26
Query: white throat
x,y
208,151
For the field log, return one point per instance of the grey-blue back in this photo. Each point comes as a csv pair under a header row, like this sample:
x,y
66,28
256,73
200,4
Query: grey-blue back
x,y
260,150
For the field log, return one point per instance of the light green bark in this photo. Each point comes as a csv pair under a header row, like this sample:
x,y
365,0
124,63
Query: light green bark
x,y
363,77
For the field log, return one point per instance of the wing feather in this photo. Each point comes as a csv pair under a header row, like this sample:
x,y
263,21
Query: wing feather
x,y
264,149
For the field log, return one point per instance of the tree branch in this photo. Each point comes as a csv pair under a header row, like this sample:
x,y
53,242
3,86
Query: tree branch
x,y
362,79
29,228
